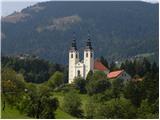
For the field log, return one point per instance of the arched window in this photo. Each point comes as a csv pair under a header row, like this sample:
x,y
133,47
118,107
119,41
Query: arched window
x,y
86,54
71,55
76,55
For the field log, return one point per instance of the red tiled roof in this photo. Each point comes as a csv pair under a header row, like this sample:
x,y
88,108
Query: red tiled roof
x,y
99,66
114,74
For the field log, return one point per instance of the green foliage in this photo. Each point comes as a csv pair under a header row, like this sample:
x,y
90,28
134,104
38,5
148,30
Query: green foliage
x,y
117,87
97,86
121,108
72,104
89,76
151,86
104,61
134,92
146,111
113,66
38,103
56,80
80,84
33,70
99,75
13,86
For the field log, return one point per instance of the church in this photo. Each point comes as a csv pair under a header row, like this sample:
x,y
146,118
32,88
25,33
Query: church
x,y
81,68
77,67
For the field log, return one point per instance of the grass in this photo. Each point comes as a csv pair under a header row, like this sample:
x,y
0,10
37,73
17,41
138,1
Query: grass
x,y
60,95
59,114
12,113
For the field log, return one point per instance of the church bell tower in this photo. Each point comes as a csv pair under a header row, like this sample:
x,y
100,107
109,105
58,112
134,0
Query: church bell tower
x,y
88,57
73,59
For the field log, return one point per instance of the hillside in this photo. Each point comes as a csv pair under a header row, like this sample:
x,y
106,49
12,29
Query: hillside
x,y
118,29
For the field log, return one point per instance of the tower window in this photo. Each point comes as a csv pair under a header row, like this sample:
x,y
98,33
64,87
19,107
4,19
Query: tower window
x,y
78,73
86,54
76,56
71,55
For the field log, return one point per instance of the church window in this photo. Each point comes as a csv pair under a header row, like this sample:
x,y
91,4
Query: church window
x,y
86,54
78,72
71,55
91,55
76,55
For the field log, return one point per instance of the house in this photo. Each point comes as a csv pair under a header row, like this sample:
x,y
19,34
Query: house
x,y
121,74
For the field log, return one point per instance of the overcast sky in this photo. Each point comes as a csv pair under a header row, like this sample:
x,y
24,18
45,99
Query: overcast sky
x,y
9,6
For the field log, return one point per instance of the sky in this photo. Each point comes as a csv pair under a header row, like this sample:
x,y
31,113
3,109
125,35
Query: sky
x,y
10,6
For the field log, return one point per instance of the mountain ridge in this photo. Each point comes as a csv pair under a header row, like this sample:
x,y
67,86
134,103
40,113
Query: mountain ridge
x,y
115,26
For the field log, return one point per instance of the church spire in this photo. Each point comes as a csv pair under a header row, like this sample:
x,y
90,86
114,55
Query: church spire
x,y
73,45
88,42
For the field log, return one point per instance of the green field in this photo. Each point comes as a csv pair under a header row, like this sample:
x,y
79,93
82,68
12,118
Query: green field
x,y
13,113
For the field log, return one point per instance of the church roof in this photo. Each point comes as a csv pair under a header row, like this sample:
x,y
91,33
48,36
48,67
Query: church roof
x,y
114,74
99,66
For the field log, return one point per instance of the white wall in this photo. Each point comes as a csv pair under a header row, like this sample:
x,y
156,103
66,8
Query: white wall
x,y
88,61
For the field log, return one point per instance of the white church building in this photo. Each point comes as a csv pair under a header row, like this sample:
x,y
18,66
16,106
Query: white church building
x,y
77,67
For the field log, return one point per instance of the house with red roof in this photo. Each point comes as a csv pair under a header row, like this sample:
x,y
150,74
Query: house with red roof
x,y
121,74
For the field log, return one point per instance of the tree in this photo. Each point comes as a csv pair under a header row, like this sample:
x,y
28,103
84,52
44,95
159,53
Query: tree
x,y
56,80
119,109
117,87
89,76
150,84
72,104
99,75
13,86
113,66
134,92
80,84
38,103
104,61
154,68
145,111
97,86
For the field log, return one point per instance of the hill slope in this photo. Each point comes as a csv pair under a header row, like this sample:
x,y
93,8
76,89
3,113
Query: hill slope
x,y
118,29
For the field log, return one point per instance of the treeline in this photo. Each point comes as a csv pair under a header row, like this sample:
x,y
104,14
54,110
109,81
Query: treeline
x,y
33,70
135,68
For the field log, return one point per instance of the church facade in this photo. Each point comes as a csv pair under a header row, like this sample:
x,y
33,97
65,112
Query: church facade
x,y
79,68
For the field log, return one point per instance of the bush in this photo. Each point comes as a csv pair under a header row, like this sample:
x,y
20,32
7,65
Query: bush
x,y
80,84
120,109
56,80
72,104
97,86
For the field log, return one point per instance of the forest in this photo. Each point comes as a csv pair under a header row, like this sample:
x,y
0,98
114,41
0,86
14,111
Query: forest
x,y
36,88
